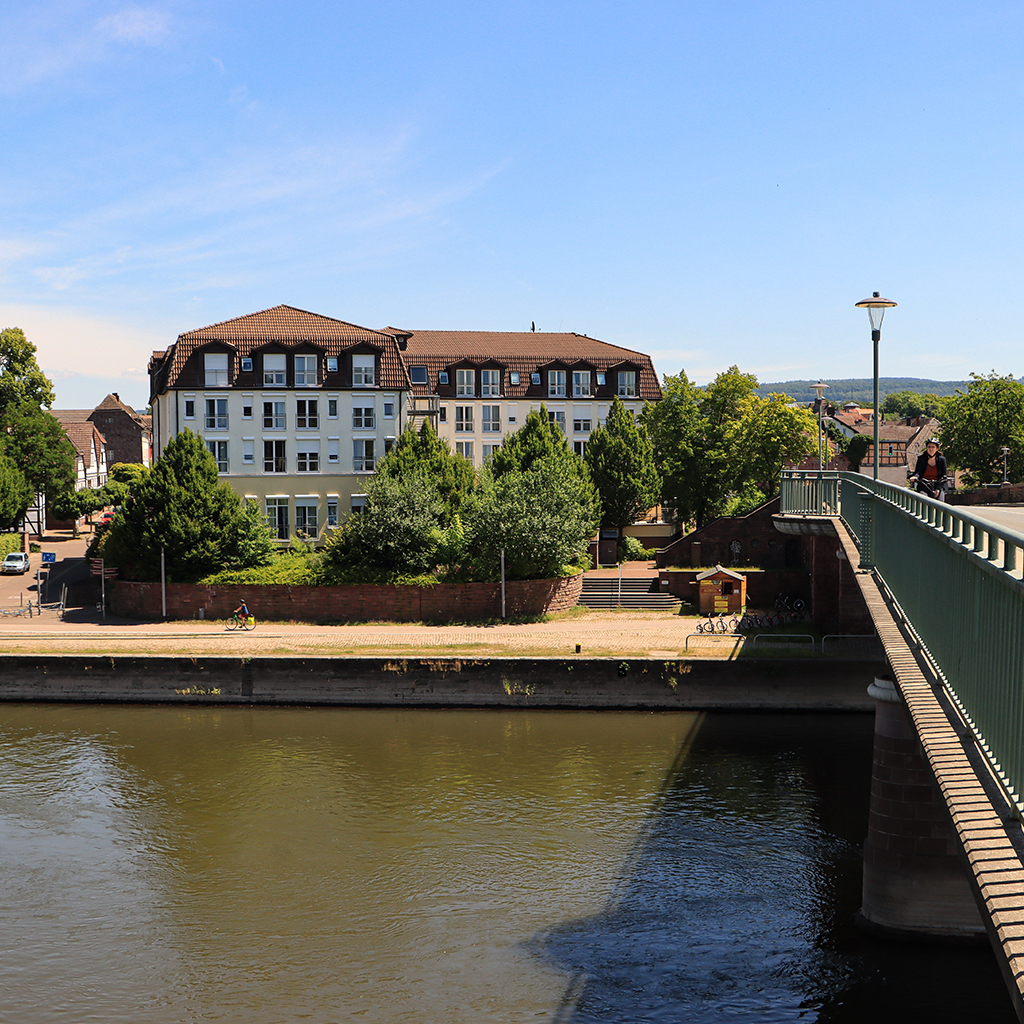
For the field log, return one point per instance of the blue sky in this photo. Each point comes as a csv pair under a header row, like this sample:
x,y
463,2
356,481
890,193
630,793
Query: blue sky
x,y
713,183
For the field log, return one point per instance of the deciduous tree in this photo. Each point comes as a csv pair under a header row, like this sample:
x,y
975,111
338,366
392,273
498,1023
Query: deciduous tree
x,y
22,382
979,422
15,494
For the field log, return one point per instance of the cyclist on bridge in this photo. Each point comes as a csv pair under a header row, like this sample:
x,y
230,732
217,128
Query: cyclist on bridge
x,y
930,472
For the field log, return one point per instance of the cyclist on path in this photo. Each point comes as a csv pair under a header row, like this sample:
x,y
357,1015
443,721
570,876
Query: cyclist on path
x,y
929,474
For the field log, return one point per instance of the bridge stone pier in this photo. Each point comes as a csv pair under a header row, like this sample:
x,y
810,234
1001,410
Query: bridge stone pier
x,y
915,885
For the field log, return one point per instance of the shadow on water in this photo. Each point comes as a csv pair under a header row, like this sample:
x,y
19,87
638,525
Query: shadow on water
x,y
738,900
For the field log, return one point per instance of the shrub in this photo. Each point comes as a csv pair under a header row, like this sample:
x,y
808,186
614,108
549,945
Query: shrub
x,y
631,550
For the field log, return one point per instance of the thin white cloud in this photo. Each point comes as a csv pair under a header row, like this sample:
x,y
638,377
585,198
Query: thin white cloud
x,y
136,25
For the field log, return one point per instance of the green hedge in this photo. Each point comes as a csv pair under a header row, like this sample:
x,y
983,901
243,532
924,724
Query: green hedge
x,y
10,542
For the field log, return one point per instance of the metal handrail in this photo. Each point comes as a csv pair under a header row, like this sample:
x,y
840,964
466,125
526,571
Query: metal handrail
x,y
957,581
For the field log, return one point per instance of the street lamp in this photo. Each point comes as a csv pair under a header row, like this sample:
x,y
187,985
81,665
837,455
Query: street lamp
x,y
819,390
876,308
1005,451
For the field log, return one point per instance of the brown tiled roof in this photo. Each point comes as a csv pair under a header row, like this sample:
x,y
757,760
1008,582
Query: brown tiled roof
x,y
81,433
287,326
524,351
113,401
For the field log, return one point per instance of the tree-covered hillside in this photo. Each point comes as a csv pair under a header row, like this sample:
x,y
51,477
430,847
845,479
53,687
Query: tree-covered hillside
x,y
858,389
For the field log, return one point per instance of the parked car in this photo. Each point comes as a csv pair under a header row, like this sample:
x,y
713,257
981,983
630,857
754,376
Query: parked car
x,y
15,562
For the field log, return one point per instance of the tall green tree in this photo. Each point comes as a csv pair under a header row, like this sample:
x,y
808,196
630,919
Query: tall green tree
x,y
421,452
695,432
773,432
22,382
183,508
15,494
620,458
979,422
36,443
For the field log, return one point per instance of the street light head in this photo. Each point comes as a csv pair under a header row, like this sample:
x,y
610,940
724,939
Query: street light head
x,y
819,389
876,307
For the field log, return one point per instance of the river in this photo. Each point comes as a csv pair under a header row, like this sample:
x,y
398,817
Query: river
x,y
265,865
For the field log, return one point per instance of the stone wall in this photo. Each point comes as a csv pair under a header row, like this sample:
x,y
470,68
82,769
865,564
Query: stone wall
x,y
364,603
1011,494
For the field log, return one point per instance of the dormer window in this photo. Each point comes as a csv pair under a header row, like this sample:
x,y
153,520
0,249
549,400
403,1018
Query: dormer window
x,y
418,374
442,377
465,383
275,370
490,383
332,364
627,384
363,372
216,367
305,372
556,383
581,383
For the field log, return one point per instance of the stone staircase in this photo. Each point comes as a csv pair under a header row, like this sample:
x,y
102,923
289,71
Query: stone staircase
x,y
637,592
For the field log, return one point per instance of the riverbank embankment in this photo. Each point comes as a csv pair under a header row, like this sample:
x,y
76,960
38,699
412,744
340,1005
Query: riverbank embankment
x,y
608,683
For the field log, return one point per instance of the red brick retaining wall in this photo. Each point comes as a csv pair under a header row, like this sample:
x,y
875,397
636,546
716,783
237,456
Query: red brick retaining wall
x,y
1012,494
443,603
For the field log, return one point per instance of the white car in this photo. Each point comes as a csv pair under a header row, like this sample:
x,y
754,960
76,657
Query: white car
x,y
15,562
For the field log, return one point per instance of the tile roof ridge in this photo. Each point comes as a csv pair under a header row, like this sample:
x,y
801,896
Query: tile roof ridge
x,y
280,307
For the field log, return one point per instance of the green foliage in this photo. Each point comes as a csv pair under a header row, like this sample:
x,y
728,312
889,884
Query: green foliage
x,y
283,569
38,446
22,382
631,550
980,421
743,501
620,458
11,542
182,507
247,542
904,404
857,448
861,389
542,517
772,433
15,494
423,453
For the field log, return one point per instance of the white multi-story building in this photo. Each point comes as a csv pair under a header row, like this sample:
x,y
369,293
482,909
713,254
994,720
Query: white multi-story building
x,y
296,408
479,386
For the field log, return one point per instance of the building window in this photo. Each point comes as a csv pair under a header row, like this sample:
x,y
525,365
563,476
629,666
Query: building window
x,y
273,457
275,370
442,414
389,410
190,408
332,364
358,504
219,451
627,384
332,511
306,518
307,416
363,375
490,383
332,449
580,448
216,365
273,416
487,450
558,418
465,383
418,374
581,421
216,414
248,451
512,411
246,407
556,383
463,418
600,379
490,417
305,372
332,408
581,383
465,449
362,455
277,517
513,377
442,377
307,457
247,364
363,417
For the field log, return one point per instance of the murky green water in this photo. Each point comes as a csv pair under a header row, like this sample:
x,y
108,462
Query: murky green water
x,y
280,865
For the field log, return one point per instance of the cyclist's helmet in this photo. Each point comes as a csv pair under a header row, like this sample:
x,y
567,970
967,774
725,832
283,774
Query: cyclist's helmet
x,y
932,440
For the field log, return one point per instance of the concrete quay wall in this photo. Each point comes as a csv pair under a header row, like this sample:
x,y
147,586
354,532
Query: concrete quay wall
x,y
799,685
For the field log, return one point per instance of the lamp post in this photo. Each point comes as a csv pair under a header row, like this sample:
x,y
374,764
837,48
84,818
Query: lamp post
x,y
819,390
1005,451
876,308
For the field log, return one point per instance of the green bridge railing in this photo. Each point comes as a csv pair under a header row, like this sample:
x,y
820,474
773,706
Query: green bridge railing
x,y
957,579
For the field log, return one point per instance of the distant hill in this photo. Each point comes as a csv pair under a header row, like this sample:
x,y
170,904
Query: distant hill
x,y
859,389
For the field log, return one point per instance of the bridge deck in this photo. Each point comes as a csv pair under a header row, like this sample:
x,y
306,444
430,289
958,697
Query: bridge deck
x,y
983,818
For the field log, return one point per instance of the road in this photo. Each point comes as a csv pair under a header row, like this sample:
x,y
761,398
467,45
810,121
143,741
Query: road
x,y
1009,516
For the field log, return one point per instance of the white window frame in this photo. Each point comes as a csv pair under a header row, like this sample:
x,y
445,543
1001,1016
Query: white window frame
x,y
248,451
275,370
464,419
465,383
333,450
490,419
306,377
189,400
310,525
307,455
216,417
273,459
364,417
363,452
557,417
465,449
278,416
490,383
581,383
556,383
218,448
626,384
307,414
246,407
364,371
216,369
277,523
